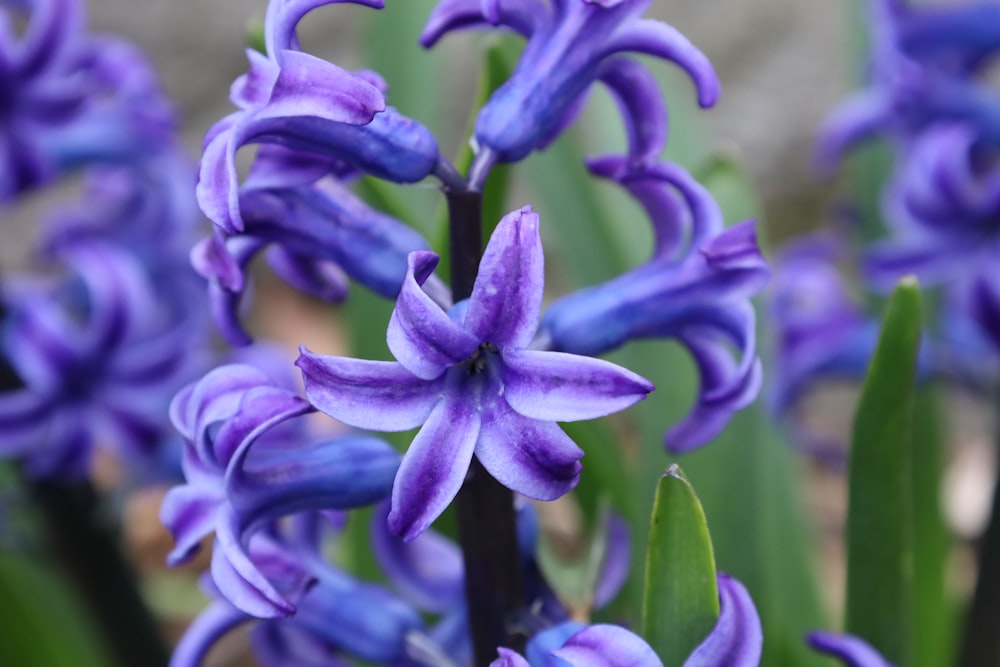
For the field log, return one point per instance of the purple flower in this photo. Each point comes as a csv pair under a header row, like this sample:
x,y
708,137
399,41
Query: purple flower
x,y
468,377
696,289
317,234
923,69
68,98
243,471
822,331
311,106
736,641
942,203
570,46
99,357
851,651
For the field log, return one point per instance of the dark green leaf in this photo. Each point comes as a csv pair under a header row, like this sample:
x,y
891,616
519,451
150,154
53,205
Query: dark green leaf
x,y
879,515
44,624
681,602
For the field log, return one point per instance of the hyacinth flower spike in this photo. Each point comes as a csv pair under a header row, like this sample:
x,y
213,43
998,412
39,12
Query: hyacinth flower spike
x,y
696,289
468,377
570,46
311,106
736,641
851,651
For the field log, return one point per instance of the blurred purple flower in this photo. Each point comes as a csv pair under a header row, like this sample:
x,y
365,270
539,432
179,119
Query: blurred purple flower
x,y
570,46
70,98
243,471
467,376
923,69
851,651
99,357
311,106
735,641
696,288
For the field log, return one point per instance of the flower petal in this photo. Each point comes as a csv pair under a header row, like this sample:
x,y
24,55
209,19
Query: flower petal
x,y
434,466
534,458
421,335
660,39
610,646
641,104
188,512
507,297
737,638
852,651
555,386
429,571
373,395
211,624
509,658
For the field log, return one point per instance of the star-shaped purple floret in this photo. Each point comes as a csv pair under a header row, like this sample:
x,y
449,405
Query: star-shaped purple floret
x,y
467,377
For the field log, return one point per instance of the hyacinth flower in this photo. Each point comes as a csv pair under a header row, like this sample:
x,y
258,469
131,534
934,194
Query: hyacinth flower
x,y
851,651
943,203
316,233
99,358
570,46
467,376
696,288
246,466
735,641
925,68
822,331
147,206
306,104
337,617
70,97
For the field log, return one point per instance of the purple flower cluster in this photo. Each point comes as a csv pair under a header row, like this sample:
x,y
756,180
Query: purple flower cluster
x,y
96,348
929,95
487,377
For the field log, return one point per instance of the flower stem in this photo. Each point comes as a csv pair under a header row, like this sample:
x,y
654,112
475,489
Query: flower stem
x,y
486,519
980,644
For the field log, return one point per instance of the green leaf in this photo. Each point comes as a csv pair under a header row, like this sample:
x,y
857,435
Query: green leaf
x,y
934,618
681,604
44,624
879,516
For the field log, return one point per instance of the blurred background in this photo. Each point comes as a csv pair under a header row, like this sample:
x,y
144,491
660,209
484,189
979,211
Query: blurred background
x,y
784,64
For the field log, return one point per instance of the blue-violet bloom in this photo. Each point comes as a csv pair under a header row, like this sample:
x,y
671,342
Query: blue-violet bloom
x,y
246,466
696,288
468,377
570,46
306,104
736,641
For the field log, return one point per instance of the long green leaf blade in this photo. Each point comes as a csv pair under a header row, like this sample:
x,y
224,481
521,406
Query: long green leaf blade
x,y
879,514
44,624
681,602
